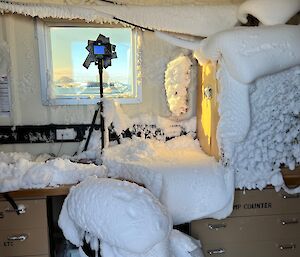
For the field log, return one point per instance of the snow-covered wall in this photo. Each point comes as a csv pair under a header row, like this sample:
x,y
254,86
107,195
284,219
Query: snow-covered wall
x,y
27,109
259,102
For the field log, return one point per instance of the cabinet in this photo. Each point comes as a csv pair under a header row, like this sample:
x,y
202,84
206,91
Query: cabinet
x,y
25,234
262,224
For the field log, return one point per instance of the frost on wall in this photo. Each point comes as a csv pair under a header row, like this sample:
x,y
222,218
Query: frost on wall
x,y
274,135
177,82
259,80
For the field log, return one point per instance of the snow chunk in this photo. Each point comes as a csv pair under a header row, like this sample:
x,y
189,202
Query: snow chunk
x,y
121,214
269,12
253,52
188,182
17,172
177,82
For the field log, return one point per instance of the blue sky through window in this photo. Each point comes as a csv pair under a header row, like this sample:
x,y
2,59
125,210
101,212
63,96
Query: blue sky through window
x,y
68,54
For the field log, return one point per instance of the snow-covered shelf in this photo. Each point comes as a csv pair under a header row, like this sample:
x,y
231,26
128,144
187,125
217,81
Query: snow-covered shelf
x,y
290,178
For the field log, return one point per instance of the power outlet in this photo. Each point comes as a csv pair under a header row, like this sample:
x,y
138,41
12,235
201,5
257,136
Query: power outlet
x,y
66,134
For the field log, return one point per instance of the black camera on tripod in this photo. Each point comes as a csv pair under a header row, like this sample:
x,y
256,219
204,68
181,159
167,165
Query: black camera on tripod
x,y
100,50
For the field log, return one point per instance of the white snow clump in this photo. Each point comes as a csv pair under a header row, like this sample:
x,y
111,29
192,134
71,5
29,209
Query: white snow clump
x,y
253,52
269,12
127,219
17,172
177,82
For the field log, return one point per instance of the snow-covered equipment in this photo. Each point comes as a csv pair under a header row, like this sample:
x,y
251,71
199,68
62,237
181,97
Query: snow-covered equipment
x,y
101,52
127,219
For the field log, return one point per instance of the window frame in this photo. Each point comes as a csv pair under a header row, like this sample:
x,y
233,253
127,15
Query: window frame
x,y
45,61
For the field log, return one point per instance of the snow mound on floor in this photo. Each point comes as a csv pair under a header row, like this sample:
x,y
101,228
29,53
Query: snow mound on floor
x,y
253,52
17,172
269,12
189,183
120,213
127,219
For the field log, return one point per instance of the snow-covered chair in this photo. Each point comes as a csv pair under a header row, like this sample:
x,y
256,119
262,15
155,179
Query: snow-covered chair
x,y
126,218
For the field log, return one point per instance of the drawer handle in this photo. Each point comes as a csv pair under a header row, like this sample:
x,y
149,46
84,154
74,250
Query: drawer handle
x,y
216,226
21,209
287,247
20,238
287,196
216,251
289,222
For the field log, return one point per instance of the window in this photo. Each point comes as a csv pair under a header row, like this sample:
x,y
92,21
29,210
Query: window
x,y
64,80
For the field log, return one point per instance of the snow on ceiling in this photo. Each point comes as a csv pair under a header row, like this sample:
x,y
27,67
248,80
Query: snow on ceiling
x,y
200,20
269,12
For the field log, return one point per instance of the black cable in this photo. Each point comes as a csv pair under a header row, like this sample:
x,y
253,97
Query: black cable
x,y
91,127
132,24
111,2
12,203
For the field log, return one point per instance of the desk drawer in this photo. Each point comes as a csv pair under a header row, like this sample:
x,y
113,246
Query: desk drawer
x,y
283,248
23,242
34,216
243,229
266,202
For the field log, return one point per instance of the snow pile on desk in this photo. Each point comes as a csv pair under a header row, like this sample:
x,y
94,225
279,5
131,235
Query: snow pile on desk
x,y
127,218
259,101
20,171
189,183
145,125
269,12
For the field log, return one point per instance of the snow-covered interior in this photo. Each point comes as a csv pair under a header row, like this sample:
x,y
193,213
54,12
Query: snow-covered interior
x,y
258,131
259,100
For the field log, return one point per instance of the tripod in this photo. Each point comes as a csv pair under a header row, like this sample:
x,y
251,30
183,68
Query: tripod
x,y
100,108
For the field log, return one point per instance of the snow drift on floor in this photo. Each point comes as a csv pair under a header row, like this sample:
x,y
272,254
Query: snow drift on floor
x,y
188,182
127,218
